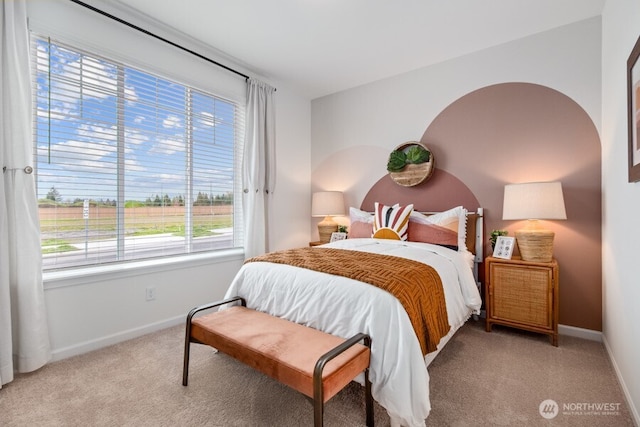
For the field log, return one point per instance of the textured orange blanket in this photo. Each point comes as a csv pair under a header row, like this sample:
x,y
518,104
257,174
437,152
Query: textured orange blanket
x,y
416,285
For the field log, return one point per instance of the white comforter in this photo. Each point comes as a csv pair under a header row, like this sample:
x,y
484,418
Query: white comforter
x,y
344,307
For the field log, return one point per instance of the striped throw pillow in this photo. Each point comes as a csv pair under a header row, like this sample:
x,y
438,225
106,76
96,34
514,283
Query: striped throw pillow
x,y
391,222
448,228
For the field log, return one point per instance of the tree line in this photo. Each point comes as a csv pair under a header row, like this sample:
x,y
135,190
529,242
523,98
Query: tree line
x,y
202,199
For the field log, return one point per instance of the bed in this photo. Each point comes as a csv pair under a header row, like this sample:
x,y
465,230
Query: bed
x,y
344,306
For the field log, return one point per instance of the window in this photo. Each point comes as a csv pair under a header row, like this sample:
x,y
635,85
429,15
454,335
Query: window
x,y
130,165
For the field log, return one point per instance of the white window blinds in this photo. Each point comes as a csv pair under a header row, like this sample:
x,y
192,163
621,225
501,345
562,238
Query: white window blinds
x,y
130,165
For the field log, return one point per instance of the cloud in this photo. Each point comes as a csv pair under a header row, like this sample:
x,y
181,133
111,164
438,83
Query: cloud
x,y
72,77
168,146
207,119
172,122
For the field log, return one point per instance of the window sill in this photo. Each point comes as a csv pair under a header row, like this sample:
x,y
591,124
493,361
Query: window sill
x,y
82,276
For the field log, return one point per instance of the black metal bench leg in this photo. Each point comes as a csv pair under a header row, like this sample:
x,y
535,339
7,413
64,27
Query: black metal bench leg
x,y
318,392
187,338
187,347
318,405
368,398
318,413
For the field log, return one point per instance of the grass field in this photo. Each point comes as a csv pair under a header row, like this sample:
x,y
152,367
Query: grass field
x,y
62,228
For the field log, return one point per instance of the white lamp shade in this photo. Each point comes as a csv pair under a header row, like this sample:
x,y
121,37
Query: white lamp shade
x,y
327,203
533,200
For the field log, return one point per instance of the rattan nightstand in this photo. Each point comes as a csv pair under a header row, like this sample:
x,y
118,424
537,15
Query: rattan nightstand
x,y
523,295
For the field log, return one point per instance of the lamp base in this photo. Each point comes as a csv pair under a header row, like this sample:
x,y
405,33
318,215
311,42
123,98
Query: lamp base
x,y
535,245
325,228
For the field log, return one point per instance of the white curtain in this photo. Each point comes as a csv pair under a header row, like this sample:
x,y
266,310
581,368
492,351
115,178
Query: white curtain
x,y
24,337
258,171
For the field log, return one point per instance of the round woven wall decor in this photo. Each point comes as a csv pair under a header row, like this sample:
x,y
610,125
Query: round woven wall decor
x,y
413,174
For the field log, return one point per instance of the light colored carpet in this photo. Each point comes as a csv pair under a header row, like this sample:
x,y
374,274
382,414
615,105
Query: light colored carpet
x,y
498,378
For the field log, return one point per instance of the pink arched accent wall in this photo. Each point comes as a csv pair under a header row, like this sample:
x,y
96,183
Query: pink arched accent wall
x,y
502,134
521,132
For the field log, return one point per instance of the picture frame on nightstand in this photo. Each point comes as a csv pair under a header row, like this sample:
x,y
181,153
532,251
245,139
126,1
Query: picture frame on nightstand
x,y
335,236
504,247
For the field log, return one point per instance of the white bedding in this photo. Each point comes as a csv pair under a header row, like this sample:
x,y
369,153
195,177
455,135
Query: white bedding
x,y
344,307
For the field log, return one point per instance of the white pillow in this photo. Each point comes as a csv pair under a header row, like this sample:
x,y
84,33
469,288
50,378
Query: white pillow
x,y
357,215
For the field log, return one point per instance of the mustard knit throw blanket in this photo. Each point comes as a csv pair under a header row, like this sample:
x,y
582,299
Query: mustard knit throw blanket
x,y
416,285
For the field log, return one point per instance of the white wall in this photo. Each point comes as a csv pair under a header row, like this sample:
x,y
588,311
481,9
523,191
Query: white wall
x,y
89,312
621,204
86,312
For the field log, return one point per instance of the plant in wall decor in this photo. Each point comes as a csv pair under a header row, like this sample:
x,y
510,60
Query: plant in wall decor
x,y
410,164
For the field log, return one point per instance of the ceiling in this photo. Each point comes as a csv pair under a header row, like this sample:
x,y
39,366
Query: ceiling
x,y
319,47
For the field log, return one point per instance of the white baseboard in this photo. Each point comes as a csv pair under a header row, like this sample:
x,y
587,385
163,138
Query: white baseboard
x,y
108,340
587,334
567,330
572,331
635,413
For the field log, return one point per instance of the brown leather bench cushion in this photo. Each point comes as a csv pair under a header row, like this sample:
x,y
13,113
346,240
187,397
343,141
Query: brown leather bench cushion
x,y
284,350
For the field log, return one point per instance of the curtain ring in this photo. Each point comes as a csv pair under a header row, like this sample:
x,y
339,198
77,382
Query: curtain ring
x,y
27,169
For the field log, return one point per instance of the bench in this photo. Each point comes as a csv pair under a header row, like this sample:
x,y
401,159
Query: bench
x,y
312,362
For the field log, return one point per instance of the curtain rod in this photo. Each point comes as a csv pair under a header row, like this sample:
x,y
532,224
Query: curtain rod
x,y
135,27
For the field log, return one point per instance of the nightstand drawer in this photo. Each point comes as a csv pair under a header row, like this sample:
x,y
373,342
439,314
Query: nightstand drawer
x,y
522,294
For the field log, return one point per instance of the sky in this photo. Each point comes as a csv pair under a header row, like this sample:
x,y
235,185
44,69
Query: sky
x,y
98,121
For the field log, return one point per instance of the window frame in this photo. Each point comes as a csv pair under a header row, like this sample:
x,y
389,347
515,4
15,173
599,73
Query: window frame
x,y
55,277
126,270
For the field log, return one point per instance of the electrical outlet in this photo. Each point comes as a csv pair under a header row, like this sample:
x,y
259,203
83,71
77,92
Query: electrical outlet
x,y
151,293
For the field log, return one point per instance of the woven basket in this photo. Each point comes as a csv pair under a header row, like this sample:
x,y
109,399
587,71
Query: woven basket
x,y
535,245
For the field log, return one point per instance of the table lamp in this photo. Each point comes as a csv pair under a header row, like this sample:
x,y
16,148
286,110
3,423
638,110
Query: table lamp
x,y
534,201
327,204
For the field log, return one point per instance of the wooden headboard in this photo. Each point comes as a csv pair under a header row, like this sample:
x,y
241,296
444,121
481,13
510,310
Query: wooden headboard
x,y
441,192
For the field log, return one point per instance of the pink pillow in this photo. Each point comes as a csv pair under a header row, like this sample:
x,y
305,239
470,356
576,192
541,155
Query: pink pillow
x,y
360,230
361,224
432,233
448,228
